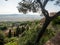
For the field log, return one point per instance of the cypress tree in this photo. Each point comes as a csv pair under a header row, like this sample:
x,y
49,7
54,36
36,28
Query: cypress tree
x,y
23,29
1,38
17,31
14,34
1,41
10,34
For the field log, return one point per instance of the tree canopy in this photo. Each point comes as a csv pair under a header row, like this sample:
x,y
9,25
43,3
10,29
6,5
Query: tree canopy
x,y
34,5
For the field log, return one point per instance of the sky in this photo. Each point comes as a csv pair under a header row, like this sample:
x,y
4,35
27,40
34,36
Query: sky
x,y
10,7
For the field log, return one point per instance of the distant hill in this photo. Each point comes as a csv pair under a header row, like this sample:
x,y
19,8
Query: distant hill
x,y
52,13
19,17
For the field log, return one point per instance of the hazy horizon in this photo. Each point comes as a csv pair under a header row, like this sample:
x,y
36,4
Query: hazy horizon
x,y
19,17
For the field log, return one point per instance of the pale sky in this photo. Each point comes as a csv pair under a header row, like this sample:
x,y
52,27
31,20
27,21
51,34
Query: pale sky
x,y
10,7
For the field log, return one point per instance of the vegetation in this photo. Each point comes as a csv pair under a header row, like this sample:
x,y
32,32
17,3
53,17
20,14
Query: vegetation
x,y
38,6
24,34
1,38
9,34
56,21
31,34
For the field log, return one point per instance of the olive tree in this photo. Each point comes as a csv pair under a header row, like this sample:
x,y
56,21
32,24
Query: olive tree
x,y
38,5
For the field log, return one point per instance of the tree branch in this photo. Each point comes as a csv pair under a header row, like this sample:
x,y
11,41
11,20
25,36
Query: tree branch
x,y
57,14
39,3
45,12
45,2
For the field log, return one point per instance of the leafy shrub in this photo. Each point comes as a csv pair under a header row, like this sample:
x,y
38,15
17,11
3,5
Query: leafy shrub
x,y
11,41
9,34
30,37
56,20
47,35
3,27
2,38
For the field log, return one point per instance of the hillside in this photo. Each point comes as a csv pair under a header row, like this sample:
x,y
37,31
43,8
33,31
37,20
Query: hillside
x,y
19,33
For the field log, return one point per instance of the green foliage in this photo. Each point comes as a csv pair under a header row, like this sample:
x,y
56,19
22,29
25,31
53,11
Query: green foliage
x,y
3,27
31,35
27,36
47,35
9,34
1,38
11,43
13,39
56,20
18,31
2,34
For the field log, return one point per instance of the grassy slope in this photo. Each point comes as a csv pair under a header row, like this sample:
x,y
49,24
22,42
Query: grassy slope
x,y
29,36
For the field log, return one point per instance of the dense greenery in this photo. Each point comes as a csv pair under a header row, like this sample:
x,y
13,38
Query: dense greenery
x,y
31,35
56,21
24,33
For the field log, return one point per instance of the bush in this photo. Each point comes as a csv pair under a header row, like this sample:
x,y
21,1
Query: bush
x,y
31,35
3,27
1,38
47,35
9,34
11,41
56,21
28,38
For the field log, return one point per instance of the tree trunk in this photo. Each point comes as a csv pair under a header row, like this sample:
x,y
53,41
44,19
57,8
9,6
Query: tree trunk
x,y
41,32
45,25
